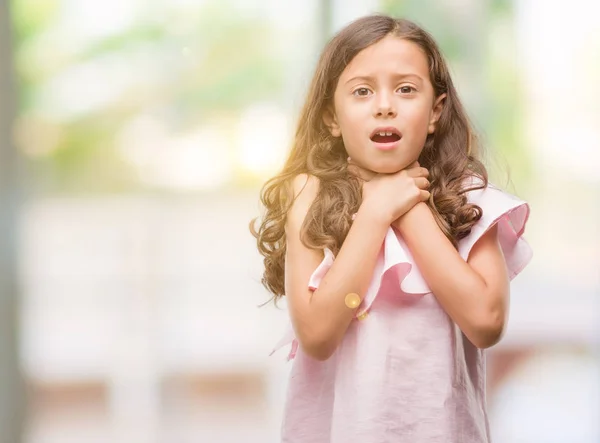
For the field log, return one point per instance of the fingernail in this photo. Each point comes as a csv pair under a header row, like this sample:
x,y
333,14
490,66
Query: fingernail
x,y
349,159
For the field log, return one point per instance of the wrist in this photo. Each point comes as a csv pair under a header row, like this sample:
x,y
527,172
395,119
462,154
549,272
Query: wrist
x,y
374,215
412,216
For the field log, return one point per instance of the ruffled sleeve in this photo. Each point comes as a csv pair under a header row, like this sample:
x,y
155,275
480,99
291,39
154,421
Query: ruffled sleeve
x,y
510,214
394,262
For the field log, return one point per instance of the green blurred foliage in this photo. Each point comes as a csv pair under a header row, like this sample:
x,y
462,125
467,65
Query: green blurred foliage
x,y
221,63
29,17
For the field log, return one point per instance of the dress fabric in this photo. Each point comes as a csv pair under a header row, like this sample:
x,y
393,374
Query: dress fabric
x,y
404,372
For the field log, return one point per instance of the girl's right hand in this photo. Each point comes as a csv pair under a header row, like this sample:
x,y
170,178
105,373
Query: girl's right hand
x,y
390,196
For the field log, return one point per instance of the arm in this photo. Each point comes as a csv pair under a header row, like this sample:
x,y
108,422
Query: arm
x,y
320,318
475,294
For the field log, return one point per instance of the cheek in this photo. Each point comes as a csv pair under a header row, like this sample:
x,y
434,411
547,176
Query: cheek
x,y
352,126
419,121
347,117
352,142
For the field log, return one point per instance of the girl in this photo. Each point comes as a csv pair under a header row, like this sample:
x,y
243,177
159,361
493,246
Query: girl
x,y
393,251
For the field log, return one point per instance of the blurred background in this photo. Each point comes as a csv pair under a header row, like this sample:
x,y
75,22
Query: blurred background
x,y
134,138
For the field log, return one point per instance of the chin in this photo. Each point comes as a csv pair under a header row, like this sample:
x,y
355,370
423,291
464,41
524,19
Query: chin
x,y
388,168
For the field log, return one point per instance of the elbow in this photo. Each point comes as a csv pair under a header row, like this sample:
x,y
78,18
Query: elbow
x,y
485,339
320,350
319,353
318,346
488,330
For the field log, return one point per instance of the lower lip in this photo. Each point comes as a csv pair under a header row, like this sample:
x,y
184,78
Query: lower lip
x,y
387,146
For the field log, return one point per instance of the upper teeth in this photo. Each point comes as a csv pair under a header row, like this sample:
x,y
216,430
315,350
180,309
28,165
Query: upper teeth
x,y
382,133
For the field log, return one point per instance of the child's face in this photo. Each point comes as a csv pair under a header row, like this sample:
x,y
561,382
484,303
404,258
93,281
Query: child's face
x,y
385,89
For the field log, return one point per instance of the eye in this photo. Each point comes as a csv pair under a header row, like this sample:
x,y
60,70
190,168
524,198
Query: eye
x,y
361,92
406,89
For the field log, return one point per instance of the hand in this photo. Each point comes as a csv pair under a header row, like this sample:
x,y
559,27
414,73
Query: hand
x,y
390,196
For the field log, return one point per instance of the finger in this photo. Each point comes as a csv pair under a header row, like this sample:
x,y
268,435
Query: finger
x,y
422,183
425,195
417,172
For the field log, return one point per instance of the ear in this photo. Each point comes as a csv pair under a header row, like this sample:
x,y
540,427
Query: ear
x,y
436,112
330,120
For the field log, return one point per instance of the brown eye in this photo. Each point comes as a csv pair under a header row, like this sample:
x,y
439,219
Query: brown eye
x,y
406,89
361,92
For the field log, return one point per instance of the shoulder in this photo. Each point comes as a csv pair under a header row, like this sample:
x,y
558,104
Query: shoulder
x,y
490,198
305,186
303,191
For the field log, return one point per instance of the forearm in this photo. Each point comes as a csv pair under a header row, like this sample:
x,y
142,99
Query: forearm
x,y
460,290
351,272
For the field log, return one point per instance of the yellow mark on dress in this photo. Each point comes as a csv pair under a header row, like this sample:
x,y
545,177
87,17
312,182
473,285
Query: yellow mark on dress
x,y
352,300
363,315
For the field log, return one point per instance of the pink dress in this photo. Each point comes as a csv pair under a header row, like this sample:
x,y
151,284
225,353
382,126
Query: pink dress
x,y
404,372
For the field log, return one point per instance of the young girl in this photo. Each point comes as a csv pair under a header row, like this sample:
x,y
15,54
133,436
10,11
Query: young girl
x,y
393,251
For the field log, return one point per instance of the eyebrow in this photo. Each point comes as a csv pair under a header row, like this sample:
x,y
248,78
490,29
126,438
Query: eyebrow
x,y
396,76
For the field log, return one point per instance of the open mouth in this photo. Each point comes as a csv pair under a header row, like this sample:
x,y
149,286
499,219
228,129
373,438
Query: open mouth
x,y
386,136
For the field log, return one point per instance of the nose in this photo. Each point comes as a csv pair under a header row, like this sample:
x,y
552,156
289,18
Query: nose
x,y
384,106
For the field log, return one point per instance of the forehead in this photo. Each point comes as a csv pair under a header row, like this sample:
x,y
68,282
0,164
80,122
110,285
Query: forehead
x,y
391,55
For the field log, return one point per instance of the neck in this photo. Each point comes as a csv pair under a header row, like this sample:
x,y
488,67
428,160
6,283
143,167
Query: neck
x,y
365,174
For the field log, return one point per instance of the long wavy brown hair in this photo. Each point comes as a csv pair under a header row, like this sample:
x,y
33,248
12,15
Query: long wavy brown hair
x,y
450,154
